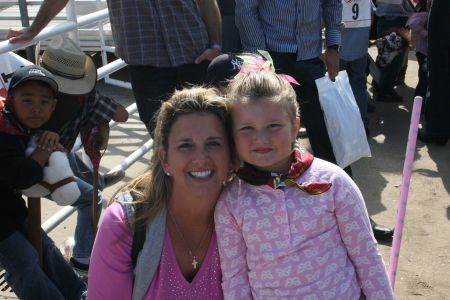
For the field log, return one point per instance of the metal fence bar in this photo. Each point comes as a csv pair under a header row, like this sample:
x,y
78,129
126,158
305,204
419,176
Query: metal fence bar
x,y
65,212
52,31
71,13
25,23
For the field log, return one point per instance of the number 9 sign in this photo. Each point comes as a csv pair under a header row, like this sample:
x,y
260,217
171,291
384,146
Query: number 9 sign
x,y
356,13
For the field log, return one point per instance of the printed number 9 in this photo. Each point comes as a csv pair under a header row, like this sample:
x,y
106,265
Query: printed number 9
x,y
355,10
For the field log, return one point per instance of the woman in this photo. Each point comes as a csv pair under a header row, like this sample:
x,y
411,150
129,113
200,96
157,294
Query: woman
x,y
190,164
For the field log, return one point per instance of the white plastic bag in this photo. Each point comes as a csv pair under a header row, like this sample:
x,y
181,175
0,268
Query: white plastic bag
x,y
343,120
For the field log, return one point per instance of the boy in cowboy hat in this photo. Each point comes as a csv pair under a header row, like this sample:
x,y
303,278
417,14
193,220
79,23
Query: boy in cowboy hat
x,y
29,104
79,107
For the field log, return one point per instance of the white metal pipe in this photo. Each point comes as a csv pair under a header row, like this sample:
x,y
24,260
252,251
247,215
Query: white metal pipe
x,y
65,212
108,48
57,218
93,17
50,32
71,13
120,83
47,33
134,157
110,68
130,109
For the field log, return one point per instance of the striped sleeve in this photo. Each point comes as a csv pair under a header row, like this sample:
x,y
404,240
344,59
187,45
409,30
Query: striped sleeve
x,y
249,25
332,17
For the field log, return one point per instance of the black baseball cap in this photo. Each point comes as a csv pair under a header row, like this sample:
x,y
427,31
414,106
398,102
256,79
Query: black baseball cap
x,y
33,72
223,67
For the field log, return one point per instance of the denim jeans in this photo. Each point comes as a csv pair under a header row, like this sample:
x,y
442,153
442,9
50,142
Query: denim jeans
x,y
306,72
152,85
356,70
389,73
84,232
437,108
56,280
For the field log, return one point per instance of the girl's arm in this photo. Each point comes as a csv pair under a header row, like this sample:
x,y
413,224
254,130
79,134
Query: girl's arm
x,y
356,233
111,269
417,24
232,251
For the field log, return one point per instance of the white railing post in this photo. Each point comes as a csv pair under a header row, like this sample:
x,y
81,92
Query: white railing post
x,y
71,13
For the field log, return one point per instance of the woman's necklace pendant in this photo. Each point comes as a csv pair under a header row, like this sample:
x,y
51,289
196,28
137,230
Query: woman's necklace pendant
x,y
194,263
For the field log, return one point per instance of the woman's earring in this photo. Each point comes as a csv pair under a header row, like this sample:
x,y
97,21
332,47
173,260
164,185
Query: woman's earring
x,y
168,174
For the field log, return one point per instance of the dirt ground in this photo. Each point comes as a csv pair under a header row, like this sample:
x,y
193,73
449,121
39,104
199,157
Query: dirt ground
x,y
424,263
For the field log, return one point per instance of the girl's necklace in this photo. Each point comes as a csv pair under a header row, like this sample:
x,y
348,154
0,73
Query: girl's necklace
x,y
194,261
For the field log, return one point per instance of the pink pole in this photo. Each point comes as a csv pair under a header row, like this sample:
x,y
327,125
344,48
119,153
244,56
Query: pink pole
x,y
403,199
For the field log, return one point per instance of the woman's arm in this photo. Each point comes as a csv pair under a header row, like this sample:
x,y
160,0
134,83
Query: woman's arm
x,y
111,269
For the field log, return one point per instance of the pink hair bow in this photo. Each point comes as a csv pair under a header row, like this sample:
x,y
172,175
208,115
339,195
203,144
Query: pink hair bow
x,y
252,63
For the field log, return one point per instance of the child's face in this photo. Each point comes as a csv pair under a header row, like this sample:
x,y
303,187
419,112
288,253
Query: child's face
x,y
264,135
32,103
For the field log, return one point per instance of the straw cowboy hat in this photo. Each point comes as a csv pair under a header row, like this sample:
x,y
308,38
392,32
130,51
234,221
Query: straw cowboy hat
x,y
74,71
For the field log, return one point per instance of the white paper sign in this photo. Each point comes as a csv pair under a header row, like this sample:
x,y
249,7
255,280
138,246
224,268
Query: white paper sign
x,y
9,63
356,13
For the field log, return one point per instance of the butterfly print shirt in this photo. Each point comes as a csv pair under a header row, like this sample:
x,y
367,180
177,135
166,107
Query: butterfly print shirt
x,y
286,244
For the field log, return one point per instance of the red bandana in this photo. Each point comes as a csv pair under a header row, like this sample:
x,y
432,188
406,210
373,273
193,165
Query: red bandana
x,y
302,161
11,125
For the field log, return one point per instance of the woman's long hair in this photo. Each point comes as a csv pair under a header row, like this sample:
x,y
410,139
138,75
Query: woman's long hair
x,y
153,188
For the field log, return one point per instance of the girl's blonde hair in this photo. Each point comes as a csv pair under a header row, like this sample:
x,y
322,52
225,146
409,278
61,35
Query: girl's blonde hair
x,y
262,85
153,188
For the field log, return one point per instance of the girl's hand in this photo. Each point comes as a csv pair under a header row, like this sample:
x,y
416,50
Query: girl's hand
x,y
48,140
61,148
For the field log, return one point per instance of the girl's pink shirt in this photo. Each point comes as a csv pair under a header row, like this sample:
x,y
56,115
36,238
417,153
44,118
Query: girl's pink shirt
x,y
287,244
111,268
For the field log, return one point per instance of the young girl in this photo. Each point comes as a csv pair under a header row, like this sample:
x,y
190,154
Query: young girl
x,y
290,226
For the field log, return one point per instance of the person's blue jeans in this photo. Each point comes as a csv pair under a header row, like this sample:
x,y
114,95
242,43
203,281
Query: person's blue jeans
x,y
389,73
152,86
306,72
56,280
356,70
84,232
437,108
